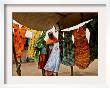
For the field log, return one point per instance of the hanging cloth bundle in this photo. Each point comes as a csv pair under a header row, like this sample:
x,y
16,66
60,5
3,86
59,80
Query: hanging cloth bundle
x,y
19,40
82,50
18,47
93,41
61,44
31,48
39,46
68,54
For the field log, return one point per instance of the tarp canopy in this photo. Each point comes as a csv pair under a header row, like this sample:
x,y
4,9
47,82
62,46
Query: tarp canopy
x,y
45,21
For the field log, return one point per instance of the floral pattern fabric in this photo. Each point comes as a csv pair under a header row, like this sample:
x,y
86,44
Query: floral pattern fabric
x,y
31,48
82,49
68,46
19,40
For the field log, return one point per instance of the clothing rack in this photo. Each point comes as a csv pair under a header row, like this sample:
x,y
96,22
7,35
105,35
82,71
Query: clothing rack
x,y
75,27
18,65
71,67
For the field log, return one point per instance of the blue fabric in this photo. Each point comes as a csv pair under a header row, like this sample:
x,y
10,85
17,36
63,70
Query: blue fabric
x,y
53,62
44,51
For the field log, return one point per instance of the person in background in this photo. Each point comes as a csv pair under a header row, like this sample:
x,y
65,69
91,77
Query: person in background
x,y
42,57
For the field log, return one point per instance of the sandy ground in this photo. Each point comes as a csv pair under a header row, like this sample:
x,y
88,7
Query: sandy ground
x,y
31,69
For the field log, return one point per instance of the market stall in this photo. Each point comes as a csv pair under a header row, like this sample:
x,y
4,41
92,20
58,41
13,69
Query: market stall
x,y
35,26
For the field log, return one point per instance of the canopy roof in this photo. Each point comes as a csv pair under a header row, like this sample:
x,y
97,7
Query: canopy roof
x,y
45,21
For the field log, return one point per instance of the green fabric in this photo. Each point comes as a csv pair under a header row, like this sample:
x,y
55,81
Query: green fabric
x,y
38,51
93,41
61,44
68,50
39,45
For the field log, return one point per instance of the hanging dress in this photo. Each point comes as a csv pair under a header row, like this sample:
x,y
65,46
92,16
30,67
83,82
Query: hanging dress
x,y
93,41
53,62
19,40
82,50
60,37
31,47
68,54
39,45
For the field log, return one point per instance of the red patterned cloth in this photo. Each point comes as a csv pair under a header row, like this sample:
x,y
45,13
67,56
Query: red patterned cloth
x,y
42,61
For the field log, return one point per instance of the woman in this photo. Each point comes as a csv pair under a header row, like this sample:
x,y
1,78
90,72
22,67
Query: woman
x,y
52,64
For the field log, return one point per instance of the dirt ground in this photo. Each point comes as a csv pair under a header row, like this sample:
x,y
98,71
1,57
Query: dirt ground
x,y
31,69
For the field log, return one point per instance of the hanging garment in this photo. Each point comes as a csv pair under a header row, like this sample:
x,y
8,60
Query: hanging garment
x,y
19,40
68,54
39,45
53,62
82,50
38,49
93,41
31,48
60,37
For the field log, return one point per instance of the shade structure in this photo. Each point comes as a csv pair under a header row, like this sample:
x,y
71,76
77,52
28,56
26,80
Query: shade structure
x,y
46,20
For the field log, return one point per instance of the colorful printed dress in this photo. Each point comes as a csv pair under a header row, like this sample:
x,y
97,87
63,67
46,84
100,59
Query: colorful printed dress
x,y
82,50
60,37
68,54
31,47
19,40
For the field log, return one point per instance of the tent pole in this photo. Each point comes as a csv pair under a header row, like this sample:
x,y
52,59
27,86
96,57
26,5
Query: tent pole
x,y
71,70
56,73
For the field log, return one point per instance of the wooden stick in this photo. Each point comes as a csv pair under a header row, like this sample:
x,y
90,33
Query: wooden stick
x,y
71,70
18,64
56,73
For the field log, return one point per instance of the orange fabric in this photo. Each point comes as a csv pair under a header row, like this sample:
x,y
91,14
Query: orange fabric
x,y
82,50
19,39
52,41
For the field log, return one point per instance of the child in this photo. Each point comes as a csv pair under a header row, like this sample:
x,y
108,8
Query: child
x,y
42,57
